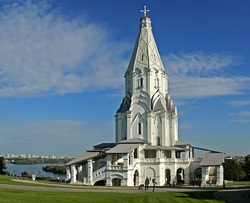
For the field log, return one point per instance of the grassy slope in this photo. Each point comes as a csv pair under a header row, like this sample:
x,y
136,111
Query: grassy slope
x,y
18,196
26,196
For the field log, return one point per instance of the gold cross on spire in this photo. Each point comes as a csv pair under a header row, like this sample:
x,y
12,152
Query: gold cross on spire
x,y
145,11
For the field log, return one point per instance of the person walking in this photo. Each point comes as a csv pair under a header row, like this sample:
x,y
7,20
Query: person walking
x,y
146,183
154,184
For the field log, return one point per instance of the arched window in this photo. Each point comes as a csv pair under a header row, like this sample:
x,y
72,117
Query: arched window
x,y
158,141
139,129
157,83
141,82
142,57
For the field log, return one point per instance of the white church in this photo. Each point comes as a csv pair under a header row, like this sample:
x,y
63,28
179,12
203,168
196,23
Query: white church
x,y
146,137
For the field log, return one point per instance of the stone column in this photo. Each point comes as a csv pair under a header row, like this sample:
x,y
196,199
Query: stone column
x,y
149,130
108,173
191,152
172,154
68,175
131,158
118,127
204,172
187,175
186,153
158,153
129,133
173,174
126,162
73,173
175,126
220,175
163,129
90,171
79,172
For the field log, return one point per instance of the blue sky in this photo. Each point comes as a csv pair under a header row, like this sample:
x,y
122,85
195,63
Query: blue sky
x,y
62,65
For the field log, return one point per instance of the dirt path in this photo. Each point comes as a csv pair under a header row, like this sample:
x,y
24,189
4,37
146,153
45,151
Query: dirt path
x,y
74,188
40,186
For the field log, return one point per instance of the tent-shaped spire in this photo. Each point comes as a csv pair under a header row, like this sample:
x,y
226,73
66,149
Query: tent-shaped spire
x,y
145,52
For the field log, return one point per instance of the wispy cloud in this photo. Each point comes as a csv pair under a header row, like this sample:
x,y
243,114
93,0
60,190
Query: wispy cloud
x,y
199,75
239,103
241,120
242,113
241,117
43,52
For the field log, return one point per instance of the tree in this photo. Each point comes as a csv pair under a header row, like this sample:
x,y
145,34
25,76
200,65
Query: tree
x,y
246,166
2,165
233,170
55,169
25,174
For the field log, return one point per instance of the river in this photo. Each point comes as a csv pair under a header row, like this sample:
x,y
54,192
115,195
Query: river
x,y
32,169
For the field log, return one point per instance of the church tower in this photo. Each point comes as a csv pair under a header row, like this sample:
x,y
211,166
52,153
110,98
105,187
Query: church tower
x,y
147,112
146,142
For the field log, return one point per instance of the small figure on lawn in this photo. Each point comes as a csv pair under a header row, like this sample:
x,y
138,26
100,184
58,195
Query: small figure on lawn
x,y
154,184
146,183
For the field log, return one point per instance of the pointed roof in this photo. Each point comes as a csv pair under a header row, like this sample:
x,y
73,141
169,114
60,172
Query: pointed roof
x,y
145,52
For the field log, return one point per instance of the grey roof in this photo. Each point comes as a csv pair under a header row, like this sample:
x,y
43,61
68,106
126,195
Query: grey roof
x,y
82,158
103,146
212,159
204,149
148,147
125,105
133,141
122,148
183,144
178,142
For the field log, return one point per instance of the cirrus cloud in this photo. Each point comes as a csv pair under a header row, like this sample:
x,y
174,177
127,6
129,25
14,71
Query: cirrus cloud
x,y
43,52
199,75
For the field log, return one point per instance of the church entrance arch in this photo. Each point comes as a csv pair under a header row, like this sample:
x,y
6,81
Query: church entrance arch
x,y
180,175
100,183
136,178
116,182
197,174
167,176
150,173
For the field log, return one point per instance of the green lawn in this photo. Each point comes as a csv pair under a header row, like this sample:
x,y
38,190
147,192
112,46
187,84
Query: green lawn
x,y
8,180
238,183
21,196
27,196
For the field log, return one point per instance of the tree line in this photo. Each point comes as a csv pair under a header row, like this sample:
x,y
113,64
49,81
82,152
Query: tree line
x,y
39,161
61,170
57,169
236,170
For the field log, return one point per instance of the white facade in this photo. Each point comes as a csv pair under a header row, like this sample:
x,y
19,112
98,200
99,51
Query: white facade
x,y
146,142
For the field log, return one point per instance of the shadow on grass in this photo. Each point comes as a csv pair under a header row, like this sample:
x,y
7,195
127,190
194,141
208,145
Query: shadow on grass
x,y
199,195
